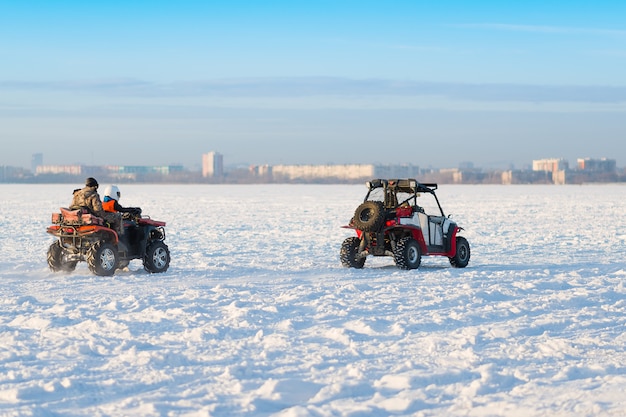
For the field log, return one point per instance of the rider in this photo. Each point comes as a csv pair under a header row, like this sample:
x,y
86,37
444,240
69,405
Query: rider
x,y
89,199
111,202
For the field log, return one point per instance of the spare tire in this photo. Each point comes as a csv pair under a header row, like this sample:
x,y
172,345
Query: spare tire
x,y
369,216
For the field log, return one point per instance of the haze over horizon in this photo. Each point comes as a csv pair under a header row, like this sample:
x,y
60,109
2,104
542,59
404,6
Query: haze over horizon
x,y
433,84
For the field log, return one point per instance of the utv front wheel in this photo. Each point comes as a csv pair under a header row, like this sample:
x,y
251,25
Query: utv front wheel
x,y
462,255
407,254
157,257
56,260
349,251
102,259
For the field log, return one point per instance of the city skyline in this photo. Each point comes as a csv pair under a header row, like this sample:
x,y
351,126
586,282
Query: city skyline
x,y
213,164
329,82
547,170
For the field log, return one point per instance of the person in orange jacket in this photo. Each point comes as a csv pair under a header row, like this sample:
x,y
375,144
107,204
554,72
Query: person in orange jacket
x,y
111,202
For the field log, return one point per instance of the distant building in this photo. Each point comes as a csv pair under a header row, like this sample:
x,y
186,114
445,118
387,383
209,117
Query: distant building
x,y
396,171
36,160
556,168
597,165
133,172
261,171
11,173
212,164
341,172
58,169
550,165
587,170
322,172
466,176
108,172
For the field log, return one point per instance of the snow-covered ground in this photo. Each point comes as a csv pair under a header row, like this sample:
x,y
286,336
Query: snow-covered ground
x,y
257,317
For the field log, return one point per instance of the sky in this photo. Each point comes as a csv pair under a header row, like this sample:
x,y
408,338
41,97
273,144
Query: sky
x,y
433,83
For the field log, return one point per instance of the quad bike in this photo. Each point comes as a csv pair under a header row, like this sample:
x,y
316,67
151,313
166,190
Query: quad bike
x,y
389,222
81,236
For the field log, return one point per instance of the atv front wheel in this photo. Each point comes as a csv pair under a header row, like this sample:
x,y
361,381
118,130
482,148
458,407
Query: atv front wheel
x,y
407,254
349,250
369,216
157,257
462,255
102,258
56,260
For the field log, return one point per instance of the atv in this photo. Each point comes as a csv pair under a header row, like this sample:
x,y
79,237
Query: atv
x,y
390,222
81,236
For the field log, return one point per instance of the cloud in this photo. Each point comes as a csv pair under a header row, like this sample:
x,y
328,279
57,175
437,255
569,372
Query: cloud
x,y
124,86
542,29
315,87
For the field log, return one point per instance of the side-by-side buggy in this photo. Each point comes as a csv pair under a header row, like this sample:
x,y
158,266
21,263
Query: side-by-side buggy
x,y
390,222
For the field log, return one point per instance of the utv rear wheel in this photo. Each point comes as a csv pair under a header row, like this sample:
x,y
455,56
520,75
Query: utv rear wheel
x,y
407,254
462,255
56,260
349,251
102,258
157,257
369,216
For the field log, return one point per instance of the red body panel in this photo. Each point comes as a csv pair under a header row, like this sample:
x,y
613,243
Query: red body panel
x,y
417,235
151,222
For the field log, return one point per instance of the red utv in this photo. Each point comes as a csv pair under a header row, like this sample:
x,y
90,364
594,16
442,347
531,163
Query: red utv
x,y
81,236
390,222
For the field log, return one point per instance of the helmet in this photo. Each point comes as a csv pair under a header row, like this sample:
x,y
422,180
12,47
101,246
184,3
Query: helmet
x,y
113,192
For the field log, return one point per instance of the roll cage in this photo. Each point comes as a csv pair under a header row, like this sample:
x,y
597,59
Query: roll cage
x,y
407,189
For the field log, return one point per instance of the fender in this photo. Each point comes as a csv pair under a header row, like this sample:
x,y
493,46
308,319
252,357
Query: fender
x,y
416,233
451,242
156,223
79,231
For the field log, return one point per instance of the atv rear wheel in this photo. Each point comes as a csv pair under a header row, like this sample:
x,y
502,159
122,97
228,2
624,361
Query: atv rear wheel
x,y
349,250
157,257
407,254
102,258
56,260
462,255
369,216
